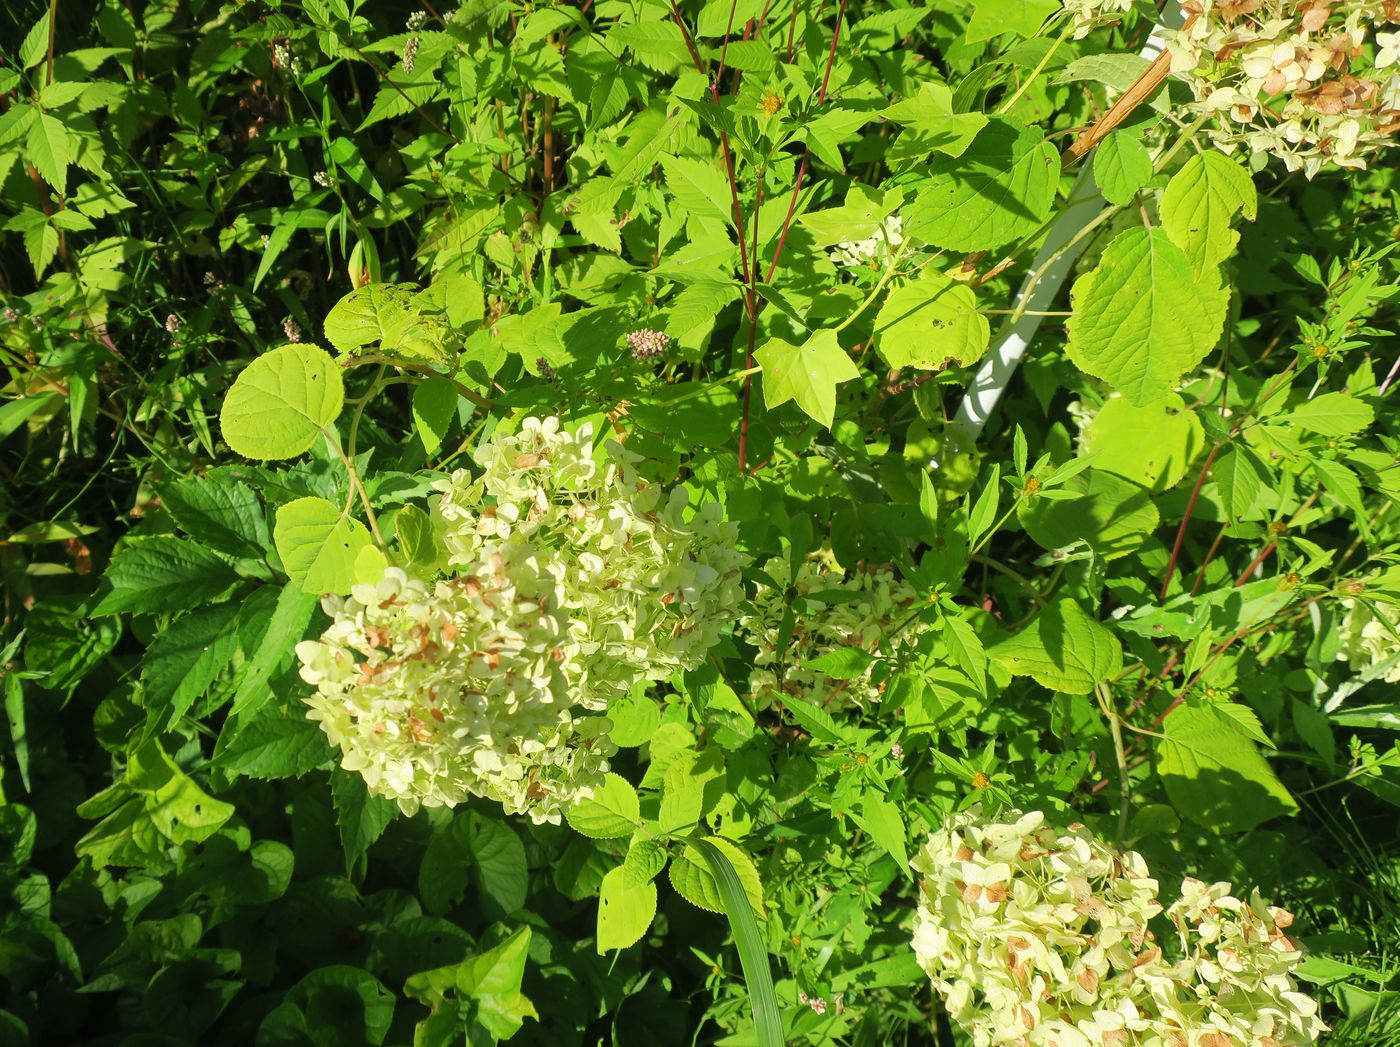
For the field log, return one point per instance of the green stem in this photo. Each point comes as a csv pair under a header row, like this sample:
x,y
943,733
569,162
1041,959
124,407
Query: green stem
x,y
1010,103
885,278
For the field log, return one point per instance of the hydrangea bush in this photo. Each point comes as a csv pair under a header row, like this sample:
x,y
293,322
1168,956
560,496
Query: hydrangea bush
x,y
564,522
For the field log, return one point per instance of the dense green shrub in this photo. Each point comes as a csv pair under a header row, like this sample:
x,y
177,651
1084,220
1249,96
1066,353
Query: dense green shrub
x,y
509,532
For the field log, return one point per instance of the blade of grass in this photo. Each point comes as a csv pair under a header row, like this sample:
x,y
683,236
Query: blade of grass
x,y
753,957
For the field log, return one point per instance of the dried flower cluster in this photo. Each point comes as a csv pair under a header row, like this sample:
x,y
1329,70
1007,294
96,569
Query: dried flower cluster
x,y
1371,636
569,581
873,252
831,609
1039,936
1312,83
647,344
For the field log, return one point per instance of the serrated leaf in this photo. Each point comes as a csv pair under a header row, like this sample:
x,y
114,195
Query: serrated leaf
x,y
1001,188
644,862
1215,774
159,573
1241,477
184,659
434,408
279,404
693,880
611,813
224,514
369,315
699,188
46,147
276,747
1122,166
1063,649
856,219
318,545
841,663
1331,414
1113,516
1199,204
881,819
991,18
1141,319
625,911
807,374
361,816
931,323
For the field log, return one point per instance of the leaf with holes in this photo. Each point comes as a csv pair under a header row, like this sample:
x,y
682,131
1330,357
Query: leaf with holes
x,y
281,402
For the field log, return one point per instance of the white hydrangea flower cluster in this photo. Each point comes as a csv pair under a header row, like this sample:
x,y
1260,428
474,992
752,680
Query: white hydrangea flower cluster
x,y
1312,83
569,582
873,252
833,609
1088,15
1036,936
1369,639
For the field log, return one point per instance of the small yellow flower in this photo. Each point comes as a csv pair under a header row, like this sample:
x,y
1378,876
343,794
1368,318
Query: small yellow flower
x,y
980,781
771,103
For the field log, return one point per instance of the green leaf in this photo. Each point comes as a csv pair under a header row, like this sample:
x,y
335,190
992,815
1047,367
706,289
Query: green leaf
x,y
730,878
35,44
318,545
841,663
692,876
1063,649
276,746
931,323
434,408
931,125
1141,319
1213,771
1151,444
374,314
856,219
500,861
644,862
280,403
807,374
1199,203
1001,188
612,812
160,573
47,149
994,17
223,514
361,816
417,541
625,911
1122,166
183,660
1111,515
1331,414
882,820
1241,478
285,628
699,188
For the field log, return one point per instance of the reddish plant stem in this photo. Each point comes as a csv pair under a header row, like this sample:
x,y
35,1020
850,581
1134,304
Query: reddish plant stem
x,y
1186,522
1254,564
736,210
782,240
1201,571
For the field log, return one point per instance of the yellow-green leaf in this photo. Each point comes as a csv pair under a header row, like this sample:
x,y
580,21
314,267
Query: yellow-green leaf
x,y
1062,649
808,374
932,323
280,403
319,545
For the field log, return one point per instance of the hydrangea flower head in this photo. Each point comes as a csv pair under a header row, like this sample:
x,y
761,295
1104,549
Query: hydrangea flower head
x,y
833,609
569,581
1369,633
1036,935
1311,83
